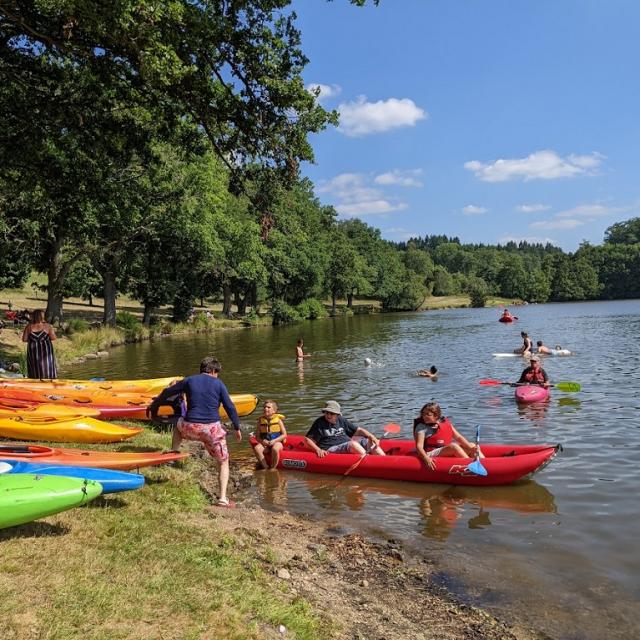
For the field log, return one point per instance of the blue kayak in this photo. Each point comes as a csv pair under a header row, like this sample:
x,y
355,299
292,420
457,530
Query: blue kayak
x,y
111,481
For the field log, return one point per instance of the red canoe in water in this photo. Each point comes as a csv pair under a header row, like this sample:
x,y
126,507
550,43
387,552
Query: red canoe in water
x,y
504,463
506,319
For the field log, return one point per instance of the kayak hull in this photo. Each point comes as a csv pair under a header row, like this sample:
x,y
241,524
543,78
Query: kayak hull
x,y
27,497
506,320
150,386
120,461
59,429
111,481
15,408
505,463
527,394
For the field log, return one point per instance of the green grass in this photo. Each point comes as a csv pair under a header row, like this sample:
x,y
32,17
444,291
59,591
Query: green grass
x,y
139,565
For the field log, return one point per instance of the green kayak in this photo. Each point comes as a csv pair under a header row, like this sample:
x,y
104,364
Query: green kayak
x,y
25,497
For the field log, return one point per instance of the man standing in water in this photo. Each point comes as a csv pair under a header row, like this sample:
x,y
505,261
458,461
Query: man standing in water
x,y
204,393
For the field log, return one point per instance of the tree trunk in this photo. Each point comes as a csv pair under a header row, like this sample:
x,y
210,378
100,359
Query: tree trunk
x,y
109,315
241,303
146,316
334,300
226,300
350,300
56,273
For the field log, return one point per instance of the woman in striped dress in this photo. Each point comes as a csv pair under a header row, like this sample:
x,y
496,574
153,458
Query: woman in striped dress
x,y
39,335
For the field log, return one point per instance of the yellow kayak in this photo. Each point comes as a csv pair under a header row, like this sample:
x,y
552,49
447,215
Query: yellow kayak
x,y
149,386
245,404
19,409
59,429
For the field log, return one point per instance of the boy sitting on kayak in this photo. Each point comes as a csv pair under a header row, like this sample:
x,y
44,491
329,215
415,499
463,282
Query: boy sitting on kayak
x,y
435,435
271,434
534,374
331,433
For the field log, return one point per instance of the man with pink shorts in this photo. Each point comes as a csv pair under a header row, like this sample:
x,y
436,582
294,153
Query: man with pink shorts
x,y
203,394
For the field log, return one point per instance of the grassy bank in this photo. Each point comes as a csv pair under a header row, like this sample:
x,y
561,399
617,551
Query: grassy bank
x,y
146,564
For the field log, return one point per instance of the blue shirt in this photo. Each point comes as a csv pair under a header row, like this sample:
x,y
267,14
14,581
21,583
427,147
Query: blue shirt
x,y
327,435
204,394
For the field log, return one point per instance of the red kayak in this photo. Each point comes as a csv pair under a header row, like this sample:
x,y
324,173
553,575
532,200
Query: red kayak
x,y
506,319
122,461
504,463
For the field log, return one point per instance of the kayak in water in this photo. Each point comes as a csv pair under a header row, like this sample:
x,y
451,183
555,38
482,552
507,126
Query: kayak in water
x,y
531,393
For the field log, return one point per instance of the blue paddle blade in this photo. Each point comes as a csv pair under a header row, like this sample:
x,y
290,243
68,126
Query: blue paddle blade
x,y
477,468
97,379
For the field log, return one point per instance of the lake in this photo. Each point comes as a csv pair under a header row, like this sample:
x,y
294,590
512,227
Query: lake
x,y
561,551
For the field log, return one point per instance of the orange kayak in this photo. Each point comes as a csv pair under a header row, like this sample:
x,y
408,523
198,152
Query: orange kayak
x,y
76,396
79,458
150,386
19,408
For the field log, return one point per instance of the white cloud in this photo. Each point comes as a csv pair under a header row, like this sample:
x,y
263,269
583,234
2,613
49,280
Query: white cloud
x,y
360,118
529,239
353,196
533,208
325,91
590,211
409,178
473,210
399,233
369,208
566,223
540,165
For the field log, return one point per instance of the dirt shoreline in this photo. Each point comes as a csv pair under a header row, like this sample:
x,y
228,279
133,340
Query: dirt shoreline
x,y
361,588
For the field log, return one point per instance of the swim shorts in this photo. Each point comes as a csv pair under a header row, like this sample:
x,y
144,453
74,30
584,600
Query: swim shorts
x,y
212,435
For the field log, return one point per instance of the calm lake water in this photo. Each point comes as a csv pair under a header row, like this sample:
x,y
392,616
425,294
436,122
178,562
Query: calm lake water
x,y
561,551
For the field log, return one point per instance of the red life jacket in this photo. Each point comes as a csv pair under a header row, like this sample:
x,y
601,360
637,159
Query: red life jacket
x,y
442,437
535,376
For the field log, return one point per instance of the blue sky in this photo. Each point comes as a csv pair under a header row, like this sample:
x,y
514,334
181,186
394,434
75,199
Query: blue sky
x,y
490,120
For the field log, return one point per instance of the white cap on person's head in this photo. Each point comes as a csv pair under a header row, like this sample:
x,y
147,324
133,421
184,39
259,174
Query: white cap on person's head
x,y
332,407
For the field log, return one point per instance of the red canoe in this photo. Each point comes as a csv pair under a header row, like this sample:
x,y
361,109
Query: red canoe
x,y
122,461
505,463
506,319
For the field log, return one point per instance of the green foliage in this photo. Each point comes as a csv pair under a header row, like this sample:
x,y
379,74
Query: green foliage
x,y
132,326
76,325
478,291
284,313
627,232
311,309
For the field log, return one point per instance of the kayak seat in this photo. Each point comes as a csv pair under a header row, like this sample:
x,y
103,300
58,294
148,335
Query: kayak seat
x,y
509,454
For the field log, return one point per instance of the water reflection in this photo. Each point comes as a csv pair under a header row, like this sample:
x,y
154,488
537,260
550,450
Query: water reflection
x,y
534,411
440,508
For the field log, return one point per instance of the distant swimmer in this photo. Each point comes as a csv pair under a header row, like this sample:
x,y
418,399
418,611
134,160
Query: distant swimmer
x,y
367,362
431,373
540,348
300,354
527,345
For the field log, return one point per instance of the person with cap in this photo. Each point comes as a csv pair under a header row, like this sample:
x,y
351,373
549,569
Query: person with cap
x,y
331,433
534,373
203,394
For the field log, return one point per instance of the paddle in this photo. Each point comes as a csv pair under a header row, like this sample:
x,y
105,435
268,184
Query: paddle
x,y
476,466
388,428
572,387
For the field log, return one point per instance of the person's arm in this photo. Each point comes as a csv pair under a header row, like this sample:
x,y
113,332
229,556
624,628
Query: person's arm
x,y
545,377
26,332
174,389
309,440
464,443
422,454
361,431
523,377
51,332
230,408
281,437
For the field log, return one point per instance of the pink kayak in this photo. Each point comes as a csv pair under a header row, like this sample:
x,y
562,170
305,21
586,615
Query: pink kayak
x,y
531,393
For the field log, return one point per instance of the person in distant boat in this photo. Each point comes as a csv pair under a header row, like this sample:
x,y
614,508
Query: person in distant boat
x,y
540,348
435,435
506,314
431,373
331,433
204,393
534,374
271,434
39,336
300,354
527,345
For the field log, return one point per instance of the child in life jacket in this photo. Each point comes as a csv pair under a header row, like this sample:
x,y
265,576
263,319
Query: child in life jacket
x,y
534,374
435,435
271,435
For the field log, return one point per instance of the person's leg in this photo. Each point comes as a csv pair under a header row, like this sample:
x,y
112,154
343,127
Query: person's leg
x,y
176,438
258,451
356,447
453,450
223,479
275,454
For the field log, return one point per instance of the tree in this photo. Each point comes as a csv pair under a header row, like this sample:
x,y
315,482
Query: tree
x,y
627,232
478,291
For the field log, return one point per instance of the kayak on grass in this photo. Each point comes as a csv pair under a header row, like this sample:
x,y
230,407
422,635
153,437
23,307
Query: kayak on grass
x,y
149,386
111,481
61,429
527,393
25,497
120,461
19,408
504,463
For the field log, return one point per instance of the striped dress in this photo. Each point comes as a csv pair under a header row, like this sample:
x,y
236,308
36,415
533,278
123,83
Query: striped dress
x,y
41,361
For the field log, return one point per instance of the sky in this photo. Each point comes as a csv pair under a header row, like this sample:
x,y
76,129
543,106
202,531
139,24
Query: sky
x,y
489,120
